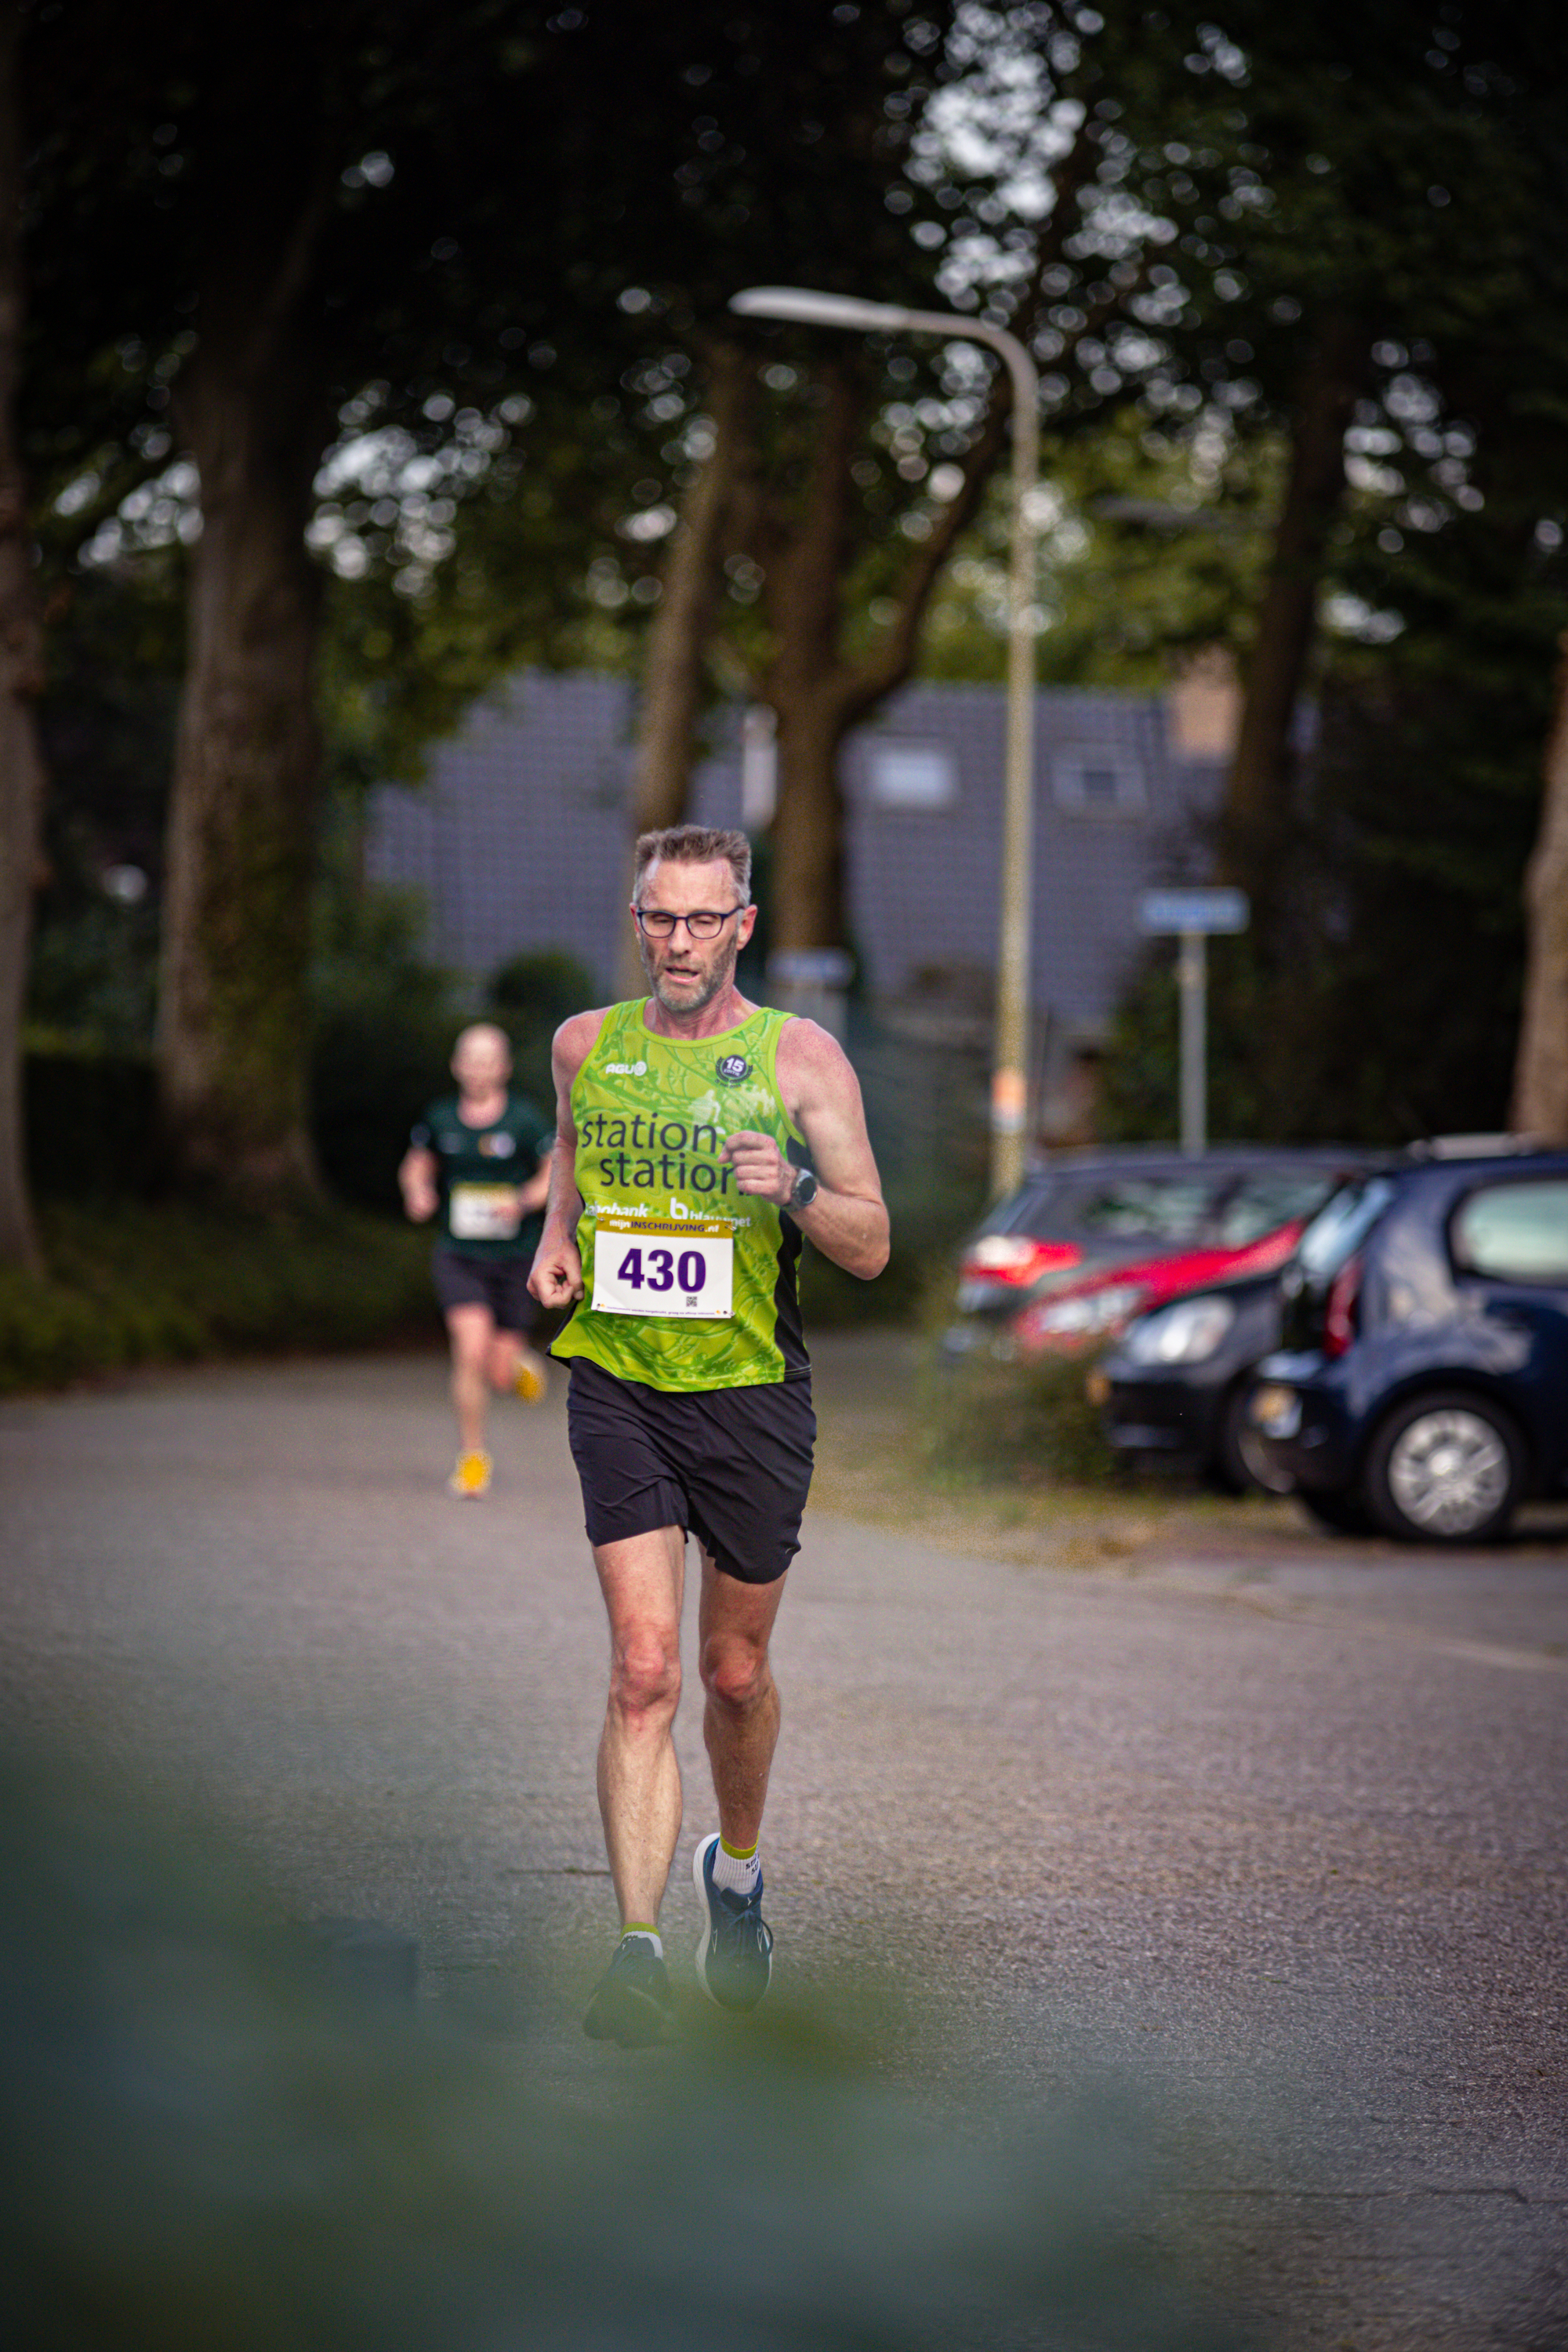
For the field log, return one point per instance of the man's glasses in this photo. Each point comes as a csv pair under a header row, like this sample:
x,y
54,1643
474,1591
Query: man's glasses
x,y
705,924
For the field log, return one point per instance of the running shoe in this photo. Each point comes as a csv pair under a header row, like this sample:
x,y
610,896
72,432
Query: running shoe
x,y
532,1380
734,1957
631,2001
471,1478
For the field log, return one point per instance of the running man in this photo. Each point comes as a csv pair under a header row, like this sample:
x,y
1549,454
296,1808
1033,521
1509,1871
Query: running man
x,y
480,1158
676,1213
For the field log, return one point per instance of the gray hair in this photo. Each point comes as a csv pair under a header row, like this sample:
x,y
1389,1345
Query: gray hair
x,y
697,845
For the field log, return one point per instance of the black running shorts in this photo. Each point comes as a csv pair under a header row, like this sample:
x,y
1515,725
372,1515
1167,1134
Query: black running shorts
x,y
732,1465
498,1283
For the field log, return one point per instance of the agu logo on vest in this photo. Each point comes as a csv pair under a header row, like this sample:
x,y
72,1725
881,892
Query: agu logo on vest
x,y
731,1068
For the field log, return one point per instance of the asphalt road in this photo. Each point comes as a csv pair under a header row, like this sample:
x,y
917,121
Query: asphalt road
x,y
1273,1829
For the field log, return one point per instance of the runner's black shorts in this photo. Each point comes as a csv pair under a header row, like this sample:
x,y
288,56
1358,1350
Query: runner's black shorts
x,y
731,1465
498,1283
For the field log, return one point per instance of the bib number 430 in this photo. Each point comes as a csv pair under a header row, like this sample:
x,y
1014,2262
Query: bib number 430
x,y
663,1271
649,1267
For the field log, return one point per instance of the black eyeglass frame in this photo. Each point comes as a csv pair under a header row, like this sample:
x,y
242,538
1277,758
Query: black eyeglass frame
x,y
661,914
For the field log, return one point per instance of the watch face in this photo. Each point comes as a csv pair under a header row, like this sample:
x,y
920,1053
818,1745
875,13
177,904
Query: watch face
x,y
804,1191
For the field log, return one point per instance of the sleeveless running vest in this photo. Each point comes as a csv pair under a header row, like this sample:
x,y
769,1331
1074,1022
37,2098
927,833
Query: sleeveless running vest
x,y
688,1283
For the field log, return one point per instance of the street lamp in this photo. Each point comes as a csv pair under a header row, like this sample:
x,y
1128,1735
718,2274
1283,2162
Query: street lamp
x,y
1009,1084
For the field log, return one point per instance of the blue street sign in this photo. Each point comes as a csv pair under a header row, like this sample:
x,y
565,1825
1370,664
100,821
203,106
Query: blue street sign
x,y
1163,911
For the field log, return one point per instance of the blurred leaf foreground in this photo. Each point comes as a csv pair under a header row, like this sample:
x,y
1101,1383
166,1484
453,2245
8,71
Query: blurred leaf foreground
x,y
210,2142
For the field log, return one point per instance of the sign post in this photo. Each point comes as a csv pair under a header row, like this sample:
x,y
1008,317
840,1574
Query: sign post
x,y
1190,916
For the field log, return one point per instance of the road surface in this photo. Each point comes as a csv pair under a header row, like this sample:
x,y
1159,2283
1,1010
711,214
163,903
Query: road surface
x,y
1271,1825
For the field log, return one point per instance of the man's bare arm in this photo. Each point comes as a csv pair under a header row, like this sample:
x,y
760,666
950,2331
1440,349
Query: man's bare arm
x,y
849,1219
536,1192
557,1275
416,1182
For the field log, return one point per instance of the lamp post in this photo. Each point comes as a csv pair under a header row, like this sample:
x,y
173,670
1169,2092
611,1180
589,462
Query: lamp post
x,y
1009,1084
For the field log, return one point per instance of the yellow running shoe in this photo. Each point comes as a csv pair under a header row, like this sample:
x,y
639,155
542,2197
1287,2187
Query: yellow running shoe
x,y
532,1380
471,1478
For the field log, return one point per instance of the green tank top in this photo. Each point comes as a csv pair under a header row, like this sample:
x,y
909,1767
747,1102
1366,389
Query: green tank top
x,y
688,1283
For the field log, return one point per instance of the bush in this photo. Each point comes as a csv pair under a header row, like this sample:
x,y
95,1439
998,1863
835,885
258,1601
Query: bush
x,y
385,1020
91,1121
1029,1424
927,1224
129,1284
530,996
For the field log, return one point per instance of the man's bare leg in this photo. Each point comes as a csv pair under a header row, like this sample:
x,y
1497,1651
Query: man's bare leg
x,y
740,1726
509,1351
473,1332
740,1719
642,1579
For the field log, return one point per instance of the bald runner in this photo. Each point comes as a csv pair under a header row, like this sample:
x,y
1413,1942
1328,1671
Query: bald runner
x,y
478,1164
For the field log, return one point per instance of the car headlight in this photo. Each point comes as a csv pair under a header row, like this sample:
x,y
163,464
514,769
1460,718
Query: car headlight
x,y
1276,1410
1186,1333
1085,1317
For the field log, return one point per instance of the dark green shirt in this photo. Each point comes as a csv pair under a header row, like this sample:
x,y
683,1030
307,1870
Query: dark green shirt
x,y
479,1170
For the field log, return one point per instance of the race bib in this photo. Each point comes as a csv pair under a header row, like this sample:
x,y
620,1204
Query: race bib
x,y
484,1212
663,1266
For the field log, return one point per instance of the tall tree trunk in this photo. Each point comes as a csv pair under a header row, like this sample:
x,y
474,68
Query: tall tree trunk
x,y
808,880
233,1012
21,675
805,683
675,670
819,695
1541,1074
1258,792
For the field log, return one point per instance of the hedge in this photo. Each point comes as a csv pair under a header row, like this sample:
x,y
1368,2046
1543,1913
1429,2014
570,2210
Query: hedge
x,y
131,1284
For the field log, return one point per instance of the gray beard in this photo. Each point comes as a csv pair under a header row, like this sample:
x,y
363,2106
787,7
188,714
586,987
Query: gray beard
x,y
720,979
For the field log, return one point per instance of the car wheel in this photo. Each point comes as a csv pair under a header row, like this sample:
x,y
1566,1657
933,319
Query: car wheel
x,y
1337,1514
1241,1460
1445,1468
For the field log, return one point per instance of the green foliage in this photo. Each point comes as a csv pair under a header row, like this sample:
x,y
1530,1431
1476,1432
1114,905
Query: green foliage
x,y
1381,1000
106,723
833,1300
1143,555
385,1019
530,996
214,2132
93,976
90,1120
133,1284
981,1421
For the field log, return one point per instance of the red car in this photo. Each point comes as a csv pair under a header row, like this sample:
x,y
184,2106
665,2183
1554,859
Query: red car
x,y
1098,1232
1081,1314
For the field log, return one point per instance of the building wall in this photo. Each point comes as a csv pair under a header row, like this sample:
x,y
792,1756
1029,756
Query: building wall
x,y
517,840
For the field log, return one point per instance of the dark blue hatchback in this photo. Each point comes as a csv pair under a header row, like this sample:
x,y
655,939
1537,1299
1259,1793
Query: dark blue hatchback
x,y
1422,1386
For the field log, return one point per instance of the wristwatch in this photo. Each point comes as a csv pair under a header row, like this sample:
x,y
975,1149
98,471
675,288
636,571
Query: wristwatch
x,y
802,1192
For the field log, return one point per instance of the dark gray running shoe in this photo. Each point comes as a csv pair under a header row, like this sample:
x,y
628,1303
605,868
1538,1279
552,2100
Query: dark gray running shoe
x,y
631,2001
735,1956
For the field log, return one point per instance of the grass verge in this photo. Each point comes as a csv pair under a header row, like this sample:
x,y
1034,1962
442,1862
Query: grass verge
x,y
129,1284
999,1462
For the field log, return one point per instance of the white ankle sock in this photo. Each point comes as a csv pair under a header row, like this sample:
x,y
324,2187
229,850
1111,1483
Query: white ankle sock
x,y
737,1873
648,1936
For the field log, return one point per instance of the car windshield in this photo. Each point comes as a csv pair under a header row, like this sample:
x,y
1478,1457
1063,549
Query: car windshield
x,y
1339,1229
1024,1212
1167,1208
1274,1197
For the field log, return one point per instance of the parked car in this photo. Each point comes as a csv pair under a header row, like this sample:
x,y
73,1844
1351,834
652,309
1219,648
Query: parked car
x,y
1175,1387
1084,1215
1421,1386
1086,1313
